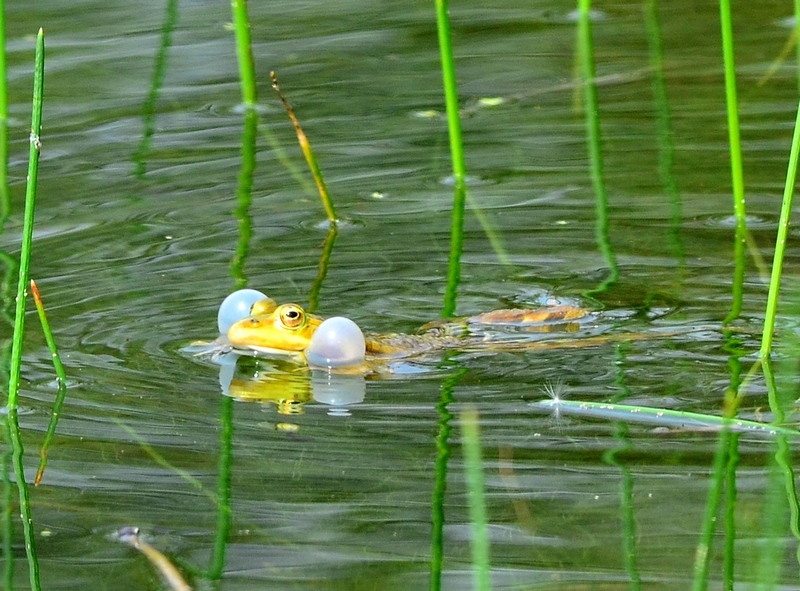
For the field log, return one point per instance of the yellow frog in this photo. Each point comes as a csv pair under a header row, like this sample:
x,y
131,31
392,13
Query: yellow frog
x,y
261,325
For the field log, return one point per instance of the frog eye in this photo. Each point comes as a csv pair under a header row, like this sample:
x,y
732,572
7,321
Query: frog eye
x,y
236,306
292,316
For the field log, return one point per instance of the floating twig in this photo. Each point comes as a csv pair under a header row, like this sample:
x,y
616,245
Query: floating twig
x,y
308,152
130,536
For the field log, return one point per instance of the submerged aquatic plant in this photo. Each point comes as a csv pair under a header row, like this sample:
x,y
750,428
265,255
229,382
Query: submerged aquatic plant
x,y
663,417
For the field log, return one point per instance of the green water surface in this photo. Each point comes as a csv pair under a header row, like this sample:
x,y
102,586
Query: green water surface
x,y
137,227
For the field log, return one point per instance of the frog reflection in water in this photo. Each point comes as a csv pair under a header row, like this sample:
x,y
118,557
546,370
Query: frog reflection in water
x,y
253,323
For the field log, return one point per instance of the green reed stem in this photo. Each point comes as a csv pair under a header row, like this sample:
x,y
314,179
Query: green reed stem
x,y
729,553
244,190
27,228
702,555
594,141
17,455
443,450
770,555
48,334
783,453
216,564
61,378
156,83
8,513
244,51
5,195
780,243
51,431
627,515
796,34
477,500
322,270
456,247
737,176
12,420
308,152
456,155
450,91
666,149
612,457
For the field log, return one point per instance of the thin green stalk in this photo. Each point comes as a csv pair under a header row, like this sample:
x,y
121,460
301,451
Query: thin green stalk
x,y
51,431
594,141
780,243
308,152
737,176
61,378
663,417
48,334
156,82
768,559
737,284
217,561
729,549
8,512
477,500
456,155
666,149
5,195
450,91
244,51
624,445
17,455
626,493
322,271
796,34
780,501
456,247
277,150
783,453
27,228
440,479
702,557
244,189
184,475
786,50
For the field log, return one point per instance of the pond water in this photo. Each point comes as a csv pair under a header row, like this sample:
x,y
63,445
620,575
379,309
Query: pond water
x,y
137,231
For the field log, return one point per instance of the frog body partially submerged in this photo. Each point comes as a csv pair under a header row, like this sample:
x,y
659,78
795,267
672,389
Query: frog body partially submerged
x,y
288,329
